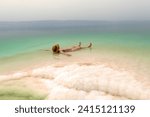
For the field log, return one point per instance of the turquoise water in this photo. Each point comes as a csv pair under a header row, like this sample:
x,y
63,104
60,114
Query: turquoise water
x,y
116,67
29,36
135,42
22,42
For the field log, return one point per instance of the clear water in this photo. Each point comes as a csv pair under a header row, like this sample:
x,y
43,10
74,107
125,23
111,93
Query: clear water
x,y
122,46
21,37
27,39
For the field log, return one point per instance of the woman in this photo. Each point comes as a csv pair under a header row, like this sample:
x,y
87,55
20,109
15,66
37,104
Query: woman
x,y
57,50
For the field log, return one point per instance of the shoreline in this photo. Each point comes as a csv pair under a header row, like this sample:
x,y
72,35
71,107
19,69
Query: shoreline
x,y
84,75
80,80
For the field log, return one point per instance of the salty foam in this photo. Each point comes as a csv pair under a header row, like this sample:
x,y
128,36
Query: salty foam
x,y
87,82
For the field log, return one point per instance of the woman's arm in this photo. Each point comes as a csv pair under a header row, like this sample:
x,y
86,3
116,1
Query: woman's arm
x,y
65,53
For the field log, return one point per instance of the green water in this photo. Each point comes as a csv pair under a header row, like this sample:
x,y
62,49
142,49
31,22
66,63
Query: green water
x,y
23,44
135,42
123,46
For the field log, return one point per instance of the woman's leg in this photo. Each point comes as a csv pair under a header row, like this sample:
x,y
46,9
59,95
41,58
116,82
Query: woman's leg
x,y
79,47
75,48
89,46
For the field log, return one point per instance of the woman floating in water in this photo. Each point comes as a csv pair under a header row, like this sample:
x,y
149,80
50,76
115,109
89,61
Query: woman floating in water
x,y
57,50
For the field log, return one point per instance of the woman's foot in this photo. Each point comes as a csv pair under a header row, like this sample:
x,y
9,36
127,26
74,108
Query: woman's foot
x,y
79,44
90,45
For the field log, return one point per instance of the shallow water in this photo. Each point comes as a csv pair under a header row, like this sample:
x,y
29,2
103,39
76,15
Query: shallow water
x,y
117,66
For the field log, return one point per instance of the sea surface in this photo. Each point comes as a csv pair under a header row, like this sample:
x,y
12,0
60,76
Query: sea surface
x,y
116,67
